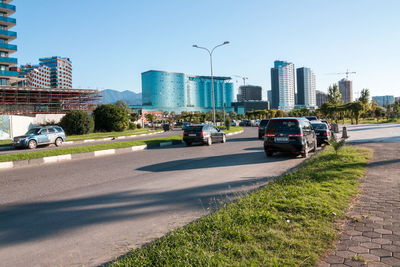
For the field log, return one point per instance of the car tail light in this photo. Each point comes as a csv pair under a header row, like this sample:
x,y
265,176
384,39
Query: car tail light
x,y
325,134
298,134
259,127
201,134
269,134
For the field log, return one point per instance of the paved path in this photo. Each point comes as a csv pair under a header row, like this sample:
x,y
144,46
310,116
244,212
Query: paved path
x,y
372,230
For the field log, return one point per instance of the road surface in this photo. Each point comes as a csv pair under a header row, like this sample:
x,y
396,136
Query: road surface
x,y
87,212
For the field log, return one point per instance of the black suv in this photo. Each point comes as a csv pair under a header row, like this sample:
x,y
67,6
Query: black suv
x,y
295,135
261,128
203,133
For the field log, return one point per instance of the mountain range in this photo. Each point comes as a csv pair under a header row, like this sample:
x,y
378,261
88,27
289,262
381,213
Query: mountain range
x,y
110,96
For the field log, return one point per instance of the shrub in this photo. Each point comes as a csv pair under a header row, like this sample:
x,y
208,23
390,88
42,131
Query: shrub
x,y
139,126
132,126
110,118
228,123
77,122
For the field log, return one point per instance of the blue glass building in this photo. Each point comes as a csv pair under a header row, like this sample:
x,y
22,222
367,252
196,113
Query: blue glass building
x,y
169,91
7,63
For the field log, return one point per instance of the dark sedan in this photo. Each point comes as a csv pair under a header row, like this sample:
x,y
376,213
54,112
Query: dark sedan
x,y
261,128
322,132
203,133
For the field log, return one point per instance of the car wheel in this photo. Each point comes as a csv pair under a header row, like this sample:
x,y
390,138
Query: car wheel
x,y
209,141
223,139
58,142
315,146
269,153
32,144
304,154
188,143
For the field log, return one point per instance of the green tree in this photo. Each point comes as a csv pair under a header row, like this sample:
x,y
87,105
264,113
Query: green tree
x,y
151,118
124,105
364,97
77,122
334,95
134,116
110,118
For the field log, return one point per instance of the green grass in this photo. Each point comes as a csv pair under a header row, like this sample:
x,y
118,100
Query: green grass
x,y
108,134
94,135
371,121
233,129
290,222
81,149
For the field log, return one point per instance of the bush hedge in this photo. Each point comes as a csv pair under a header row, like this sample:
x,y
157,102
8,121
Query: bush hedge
x,y
77,122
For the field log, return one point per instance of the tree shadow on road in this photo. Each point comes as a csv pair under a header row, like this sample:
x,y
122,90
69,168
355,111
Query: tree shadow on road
x,y
27,222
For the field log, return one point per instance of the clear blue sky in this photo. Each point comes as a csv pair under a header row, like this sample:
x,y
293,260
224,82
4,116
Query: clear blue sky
x,y
112,42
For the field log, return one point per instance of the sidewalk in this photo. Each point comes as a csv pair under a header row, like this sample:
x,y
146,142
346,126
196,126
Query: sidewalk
x,y
371,234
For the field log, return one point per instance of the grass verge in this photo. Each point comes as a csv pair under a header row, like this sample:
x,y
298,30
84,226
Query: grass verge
x,y
290,222
233,129
108,134
81,149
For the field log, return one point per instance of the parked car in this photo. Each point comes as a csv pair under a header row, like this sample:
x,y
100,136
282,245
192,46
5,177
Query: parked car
x,y
203,133
185,125
311,118
245,123
322,132
40,136
234,123
327,123
261,128
295,135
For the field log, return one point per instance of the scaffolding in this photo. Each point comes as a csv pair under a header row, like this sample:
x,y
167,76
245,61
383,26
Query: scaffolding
x,y
30,101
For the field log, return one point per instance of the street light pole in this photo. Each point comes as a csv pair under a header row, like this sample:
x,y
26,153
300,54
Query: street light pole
x,y
212,75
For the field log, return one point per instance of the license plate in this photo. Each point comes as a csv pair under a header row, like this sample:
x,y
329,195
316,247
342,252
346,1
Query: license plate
x,y
316,133
192,134
281,139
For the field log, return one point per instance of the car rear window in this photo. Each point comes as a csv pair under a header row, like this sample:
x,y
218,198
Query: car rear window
x,y
319,126
58,129
283,126
264,123
194,129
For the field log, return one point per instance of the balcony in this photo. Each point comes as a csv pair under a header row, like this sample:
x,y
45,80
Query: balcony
x,y
6,21
8,35
8,73
8,61
8,47
7,8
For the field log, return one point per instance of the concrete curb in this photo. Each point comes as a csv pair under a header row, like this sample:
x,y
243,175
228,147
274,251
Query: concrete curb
x,y
99,153
109,138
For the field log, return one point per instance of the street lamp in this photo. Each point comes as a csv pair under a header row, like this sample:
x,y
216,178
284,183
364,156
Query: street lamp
x,y
212,77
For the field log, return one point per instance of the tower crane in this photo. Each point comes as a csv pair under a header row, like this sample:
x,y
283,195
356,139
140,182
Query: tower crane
x,y
347,73
243,78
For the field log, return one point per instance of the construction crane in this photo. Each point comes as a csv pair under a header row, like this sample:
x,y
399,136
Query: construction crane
x,y
347,73
243,78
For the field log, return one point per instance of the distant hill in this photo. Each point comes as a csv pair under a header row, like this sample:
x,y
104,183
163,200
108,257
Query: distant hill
x,y
111,96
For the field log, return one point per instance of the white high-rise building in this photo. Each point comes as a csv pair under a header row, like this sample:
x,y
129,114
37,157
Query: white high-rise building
x,y
283,85
306,95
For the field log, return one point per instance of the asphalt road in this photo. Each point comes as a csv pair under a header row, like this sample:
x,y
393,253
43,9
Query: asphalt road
x,y
51,147
87,212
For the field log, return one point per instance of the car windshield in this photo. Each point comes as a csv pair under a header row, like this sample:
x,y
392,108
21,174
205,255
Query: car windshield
x,y
283,126
33,131
264,123
319,126
194,128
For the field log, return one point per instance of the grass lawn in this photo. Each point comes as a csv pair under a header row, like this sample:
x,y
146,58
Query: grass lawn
x,y
108,134
370,121
94,135
290,222
89,148
233,129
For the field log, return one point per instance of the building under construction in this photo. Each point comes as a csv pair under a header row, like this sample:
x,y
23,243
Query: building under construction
x,y
30,101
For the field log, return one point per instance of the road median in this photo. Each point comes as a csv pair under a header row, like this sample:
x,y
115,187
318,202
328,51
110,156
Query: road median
x,y
290,222
22,159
